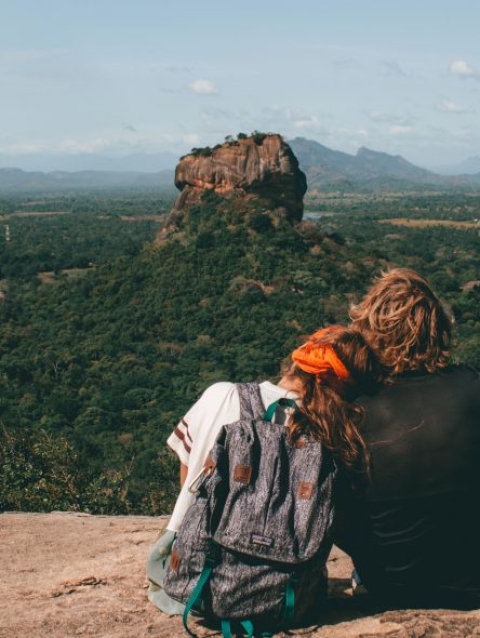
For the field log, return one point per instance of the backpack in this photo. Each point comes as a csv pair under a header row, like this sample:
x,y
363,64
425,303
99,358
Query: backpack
x,y
252,548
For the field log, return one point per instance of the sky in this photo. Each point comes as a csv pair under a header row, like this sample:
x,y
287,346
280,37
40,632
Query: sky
x,y
118,77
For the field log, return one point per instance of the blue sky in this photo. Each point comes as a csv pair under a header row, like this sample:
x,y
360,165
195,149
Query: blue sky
x,y
118,77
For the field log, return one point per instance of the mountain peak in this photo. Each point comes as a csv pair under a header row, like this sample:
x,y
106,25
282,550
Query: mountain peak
x,y
366,171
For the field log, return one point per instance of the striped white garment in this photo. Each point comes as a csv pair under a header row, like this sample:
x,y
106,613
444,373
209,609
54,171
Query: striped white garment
x,y
195,434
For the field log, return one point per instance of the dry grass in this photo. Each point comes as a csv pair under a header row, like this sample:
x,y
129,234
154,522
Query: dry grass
x,y
425,223
142,218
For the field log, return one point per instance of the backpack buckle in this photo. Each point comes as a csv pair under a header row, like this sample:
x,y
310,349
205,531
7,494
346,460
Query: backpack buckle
x,y
205,472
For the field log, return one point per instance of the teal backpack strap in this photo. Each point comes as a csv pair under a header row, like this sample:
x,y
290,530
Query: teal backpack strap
x,y
270,411
248,626
289,612
227,628
197,592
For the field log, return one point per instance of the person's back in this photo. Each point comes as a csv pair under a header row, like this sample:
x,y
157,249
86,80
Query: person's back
x,y
416,533
413,534
282,475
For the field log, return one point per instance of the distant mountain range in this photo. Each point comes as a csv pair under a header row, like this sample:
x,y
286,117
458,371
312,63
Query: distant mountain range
x,y
468,167
368,170
326,169
14,180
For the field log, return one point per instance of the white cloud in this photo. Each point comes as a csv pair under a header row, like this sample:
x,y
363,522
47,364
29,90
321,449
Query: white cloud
x,y
110,142
400,121
462,69
447,106
191,138
178,69
23,148
399,129
298,119
94,145
306,123
213,113
66,146
378,116
203,87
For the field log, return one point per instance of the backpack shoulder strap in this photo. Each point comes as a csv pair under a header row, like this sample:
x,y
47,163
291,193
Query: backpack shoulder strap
x,y
251,403
284,403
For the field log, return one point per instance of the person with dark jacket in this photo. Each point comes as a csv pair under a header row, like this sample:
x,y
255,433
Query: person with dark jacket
x,y
414,532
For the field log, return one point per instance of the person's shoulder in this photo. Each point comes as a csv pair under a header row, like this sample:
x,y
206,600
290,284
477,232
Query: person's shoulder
x,y
463,371
465,380
271,392
220,397
219,391
452,374
455,383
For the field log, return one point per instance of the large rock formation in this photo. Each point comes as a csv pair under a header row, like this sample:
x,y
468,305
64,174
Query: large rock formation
x,y
257,167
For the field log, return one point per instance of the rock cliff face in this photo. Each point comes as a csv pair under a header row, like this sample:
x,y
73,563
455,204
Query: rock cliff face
x,y
257,167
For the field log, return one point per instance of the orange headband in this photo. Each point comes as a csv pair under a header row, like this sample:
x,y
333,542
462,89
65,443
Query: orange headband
x,y
320,359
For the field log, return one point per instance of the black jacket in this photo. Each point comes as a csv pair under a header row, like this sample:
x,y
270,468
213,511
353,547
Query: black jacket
x,y
416,527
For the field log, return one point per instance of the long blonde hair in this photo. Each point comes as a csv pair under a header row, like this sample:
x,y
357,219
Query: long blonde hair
x,y
404,322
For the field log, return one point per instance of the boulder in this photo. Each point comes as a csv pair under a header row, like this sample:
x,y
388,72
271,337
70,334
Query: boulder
x,y
257,167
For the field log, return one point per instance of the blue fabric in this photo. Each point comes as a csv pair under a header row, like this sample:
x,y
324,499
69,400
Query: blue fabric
x,y
157,563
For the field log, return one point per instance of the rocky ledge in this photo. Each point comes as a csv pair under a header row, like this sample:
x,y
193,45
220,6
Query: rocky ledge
x,y
66,575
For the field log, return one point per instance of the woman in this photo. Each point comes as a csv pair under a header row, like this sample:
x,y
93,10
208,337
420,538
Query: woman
x,y
323,376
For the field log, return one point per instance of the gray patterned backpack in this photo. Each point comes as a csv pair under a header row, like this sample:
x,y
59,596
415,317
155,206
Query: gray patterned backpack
x,y
252,548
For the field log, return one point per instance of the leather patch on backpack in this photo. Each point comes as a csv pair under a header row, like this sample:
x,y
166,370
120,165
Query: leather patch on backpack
x,y
174,560
305,490
242,473
301,442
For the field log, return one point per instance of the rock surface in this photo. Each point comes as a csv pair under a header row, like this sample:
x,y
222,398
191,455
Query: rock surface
x,y
260,166
66,575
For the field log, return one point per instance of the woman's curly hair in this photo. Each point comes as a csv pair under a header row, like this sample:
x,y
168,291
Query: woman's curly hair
x,y
404,322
